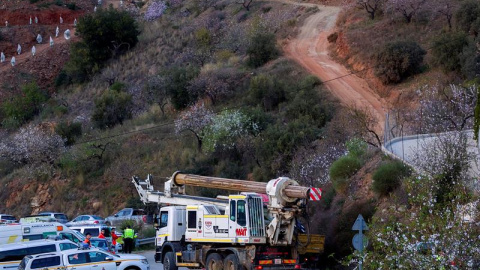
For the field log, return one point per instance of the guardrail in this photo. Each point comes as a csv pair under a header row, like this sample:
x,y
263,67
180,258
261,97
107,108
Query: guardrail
x,y
145,241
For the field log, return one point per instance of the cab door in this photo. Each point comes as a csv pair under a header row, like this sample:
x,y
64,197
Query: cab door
x,y
98,261
237,223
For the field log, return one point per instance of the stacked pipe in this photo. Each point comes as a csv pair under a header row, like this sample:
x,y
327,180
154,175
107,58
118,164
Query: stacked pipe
x,y
181,179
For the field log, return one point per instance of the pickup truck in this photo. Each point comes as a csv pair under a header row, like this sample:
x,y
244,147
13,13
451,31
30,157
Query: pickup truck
x,y
137,215
86,259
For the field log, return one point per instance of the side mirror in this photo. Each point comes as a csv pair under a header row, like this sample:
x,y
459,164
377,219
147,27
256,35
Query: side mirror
x,y
109,258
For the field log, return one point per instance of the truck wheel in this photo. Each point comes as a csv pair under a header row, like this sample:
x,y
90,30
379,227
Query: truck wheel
x,y
231,263
214,262
169,262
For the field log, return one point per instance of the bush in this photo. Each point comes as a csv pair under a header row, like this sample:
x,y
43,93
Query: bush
x,y
105,34
112,108
69,132
23,107
177,80
344,167
447,49
387,177
72,6
468,17
398,60
470,59
267,91
262,49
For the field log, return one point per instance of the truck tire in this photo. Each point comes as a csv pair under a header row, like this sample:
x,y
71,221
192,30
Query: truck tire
x,y
169,262
231,262
214,262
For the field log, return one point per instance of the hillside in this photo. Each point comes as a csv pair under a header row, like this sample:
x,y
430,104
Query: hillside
x,y
220,89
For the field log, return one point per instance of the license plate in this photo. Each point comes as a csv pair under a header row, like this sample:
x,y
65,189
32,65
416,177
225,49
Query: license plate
x,y
278,261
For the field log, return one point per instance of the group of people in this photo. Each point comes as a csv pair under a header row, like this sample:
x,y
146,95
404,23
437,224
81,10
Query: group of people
x,y
128,236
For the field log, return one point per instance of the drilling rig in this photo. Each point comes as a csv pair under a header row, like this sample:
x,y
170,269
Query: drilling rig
x,y
255,229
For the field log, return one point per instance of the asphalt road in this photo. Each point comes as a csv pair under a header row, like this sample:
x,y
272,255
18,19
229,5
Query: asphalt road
x,y
149,254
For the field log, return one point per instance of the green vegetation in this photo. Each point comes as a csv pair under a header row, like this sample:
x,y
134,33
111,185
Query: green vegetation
x,y
468,17
113,107
69,131
105,34
24,107
262,49
447,50
399,60
388,177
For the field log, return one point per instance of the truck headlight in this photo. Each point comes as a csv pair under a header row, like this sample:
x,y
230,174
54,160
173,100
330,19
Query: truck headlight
x,y
145,261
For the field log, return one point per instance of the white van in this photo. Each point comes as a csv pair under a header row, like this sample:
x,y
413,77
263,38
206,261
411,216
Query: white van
x,y
12,254
35,231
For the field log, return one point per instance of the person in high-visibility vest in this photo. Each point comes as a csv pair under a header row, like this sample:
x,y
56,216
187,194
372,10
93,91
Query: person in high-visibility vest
x,y
128,235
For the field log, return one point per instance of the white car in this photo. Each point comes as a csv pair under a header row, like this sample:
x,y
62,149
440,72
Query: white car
x,y
86,220
86,259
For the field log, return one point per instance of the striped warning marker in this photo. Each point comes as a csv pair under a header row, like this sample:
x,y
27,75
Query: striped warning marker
x,y
315,194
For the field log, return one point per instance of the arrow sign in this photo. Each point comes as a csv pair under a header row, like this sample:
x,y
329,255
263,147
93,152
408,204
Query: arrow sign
x,y
360,224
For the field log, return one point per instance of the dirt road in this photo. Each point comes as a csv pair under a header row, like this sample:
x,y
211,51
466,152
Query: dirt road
x,y
40,49
310,49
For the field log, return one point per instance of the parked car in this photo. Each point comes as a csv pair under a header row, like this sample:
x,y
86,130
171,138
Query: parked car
x,y
137,215
11,254
84,260
60,217
86,220
101,243
7,219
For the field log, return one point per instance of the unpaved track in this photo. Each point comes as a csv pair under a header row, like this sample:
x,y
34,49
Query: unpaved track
x,y
310,49
40,49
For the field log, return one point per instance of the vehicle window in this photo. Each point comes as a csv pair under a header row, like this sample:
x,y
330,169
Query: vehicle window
x,y
93,231
232,210
67,246
163,219
77,258
8,217
192,219
107,231
78,230
96,256
24,263
97,218
12,255
122,213
67,236
60,216
41,249
137,212
241,214
33,237
99,243
45,262
77,236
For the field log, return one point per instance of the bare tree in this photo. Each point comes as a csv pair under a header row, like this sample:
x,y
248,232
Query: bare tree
x,y
245,4
408,8
446,9
215,83
364,123
194,119
157,92
371,6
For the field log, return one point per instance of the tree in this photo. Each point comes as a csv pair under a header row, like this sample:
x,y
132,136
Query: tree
x,y
408,8
112,108
215,83
262,48
33,145
446,9
157,91
24,107
371,6
105,34
226,128
365,125
177,81
195,120
447,50
468,17
69,131
245,4
398,60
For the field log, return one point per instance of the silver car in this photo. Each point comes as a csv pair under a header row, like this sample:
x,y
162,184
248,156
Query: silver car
x,y
86,220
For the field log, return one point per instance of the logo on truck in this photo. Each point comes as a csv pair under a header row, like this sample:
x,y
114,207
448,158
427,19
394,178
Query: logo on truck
x,y
208,225
241,231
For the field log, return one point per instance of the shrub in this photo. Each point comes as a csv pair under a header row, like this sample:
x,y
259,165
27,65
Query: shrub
x,y
155,10
262,48
470,59
72,6
177,80
105,34
387,177
468,17
398,60
267,91
23,107
112,108
447,49
344,167
356,147
69,132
